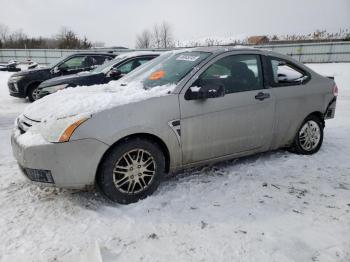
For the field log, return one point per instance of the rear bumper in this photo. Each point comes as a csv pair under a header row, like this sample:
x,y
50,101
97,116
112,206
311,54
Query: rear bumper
x,y
70,165
330,112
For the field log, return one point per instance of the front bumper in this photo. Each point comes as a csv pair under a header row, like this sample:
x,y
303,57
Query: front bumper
x,y
16,89
71,164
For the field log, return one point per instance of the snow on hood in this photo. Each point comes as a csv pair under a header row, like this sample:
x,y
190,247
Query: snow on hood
x,y
87,100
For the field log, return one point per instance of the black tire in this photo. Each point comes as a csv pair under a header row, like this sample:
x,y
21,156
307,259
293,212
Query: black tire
x,y
106,177
298,147
31,92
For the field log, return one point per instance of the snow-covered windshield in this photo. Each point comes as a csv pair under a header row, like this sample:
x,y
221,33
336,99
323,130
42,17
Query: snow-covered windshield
x,y
167,69
106,67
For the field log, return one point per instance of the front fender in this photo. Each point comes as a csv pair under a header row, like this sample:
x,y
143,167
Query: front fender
x,y
150,117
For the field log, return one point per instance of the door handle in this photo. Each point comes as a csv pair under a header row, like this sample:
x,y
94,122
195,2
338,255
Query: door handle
x,y
261,96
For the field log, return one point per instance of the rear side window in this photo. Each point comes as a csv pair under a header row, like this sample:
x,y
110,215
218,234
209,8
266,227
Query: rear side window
x,y
237,73
284,73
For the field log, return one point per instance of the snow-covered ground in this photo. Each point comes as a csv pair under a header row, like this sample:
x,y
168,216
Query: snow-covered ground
x,y
275,206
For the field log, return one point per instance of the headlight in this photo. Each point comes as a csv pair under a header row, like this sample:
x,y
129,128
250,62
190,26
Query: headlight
x,y
67,133
15,78
61,130
53,89
15,86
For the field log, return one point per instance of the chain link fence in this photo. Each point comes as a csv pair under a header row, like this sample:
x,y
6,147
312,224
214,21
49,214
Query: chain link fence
x,y
307,53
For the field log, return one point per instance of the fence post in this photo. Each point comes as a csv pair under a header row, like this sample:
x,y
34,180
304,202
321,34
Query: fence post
x,y
45,54
330,53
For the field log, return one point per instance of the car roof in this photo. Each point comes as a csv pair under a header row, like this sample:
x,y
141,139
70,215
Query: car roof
x,y
93,53
223,49
138,53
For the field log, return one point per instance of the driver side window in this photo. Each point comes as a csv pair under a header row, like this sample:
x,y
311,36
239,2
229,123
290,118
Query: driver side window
x,y
131,65
236,73
73,63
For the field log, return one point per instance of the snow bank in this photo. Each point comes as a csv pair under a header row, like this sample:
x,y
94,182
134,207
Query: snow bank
x,y
276,206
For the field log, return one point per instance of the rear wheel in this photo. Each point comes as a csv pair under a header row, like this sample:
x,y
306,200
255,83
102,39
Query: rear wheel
x,y
131,171
33,93
309,137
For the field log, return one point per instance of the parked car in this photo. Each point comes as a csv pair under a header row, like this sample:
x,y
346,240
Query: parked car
x,y
11,66
185,108
25,83
112,70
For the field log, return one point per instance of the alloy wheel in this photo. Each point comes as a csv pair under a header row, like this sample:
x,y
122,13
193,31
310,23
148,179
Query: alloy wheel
x,y
309,135
35,94
134,171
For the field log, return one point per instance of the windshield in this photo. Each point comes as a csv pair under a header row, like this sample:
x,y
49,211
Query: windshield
x,y
106,67
167,69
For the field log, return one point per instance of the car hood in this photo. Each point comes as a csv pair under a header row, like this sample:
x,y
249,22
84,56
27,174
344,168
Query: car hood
x,y
65,79
87,100
32,72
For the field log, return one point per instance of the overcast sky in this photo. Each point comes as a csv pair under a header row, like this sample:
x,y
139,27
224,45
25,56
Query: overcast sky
x,y
116,22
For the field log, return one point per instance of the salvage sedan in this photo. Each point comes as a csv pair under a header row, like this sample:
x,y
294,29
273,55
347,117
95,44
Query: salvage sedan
x,y
185,108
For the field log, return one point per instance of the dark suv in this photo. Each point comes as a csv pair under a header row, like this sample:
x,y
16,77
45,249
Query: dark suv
x,y
25,83
103,74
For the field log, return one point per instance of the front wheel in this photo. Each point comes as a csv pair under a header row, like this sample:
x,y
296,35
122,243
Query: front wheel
x,y
309,137
33,93
131,171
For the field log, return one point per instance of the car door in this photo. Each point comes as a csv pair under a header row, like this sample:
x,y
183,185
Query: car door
x,y
240,121
289,84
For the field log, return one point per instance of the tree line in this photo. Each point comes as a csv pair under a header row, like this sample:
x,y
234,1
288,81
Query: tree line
x,y
160,36
64,39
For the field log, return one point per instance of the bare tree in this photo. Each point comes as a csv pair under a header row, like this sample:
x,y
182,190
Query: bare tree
x,y
156,42
18,35
144,40
166,35
68,39
4,32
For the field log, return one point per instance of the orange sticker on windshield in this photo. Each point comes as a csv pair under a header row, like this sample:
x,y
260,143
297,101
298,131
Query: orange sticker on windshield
x,y
156,75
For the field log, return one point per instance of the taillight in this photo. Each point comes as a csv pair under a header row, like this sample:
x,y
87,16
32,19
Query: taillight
x,y
335,90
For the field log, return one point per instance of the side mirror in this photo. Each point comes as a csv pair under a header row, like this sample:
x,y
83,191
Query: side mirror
x,y
60,69
55,70
115,74
204,91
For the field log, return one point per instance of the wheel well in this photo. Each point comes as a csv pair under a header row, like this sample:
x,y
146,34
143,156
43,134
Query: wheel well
x,y
36,83
319,115
147,136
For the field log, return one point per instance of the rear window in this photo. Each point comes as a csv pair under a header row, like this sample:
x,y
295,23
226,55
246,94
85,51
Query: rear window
x,y
284,73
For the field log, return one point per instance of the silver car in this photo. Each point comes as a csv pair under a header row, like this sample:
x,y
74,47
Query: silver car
x,y
220,103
